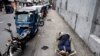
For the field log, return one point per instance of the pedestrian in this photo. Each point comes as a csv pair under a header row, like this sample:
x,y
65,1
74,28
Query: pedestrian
x,y
1,5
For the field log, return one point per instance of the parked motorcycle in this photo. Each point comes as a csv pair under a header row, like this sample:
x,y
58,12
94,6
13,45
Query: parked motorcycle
x,y
14,44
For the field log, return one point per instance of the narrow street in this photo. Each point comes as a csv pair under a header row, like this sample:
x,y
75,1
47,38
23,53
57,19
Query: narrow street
x,y
45,19
46,36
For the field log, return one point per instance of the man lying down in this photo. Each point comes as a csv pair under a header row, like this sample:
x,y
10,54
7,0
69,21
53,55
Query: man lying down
x,y
64,45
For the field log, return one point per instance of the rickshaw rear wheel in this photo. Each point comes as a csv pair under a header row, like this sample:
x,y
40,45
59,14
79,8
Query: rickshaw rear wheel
x,y
41,23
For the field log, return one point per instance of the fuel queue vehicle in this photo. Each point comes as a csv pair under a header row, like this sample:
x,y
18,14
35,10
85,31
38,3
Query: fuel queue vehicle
x,y
26,20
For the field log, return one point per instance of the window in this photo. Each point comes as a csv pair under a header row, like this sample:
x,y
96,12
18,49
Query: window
x,y
23,17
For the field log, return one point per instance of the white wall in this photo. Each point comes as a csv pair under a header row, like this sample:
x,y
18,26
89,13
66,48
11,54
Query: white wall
x,y
94,44
84,20
94,38
97,28
80,16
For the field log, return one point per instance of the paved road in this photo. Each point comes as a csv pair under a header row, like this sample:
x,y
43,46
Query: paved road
x,y
49,33
46,36
4,36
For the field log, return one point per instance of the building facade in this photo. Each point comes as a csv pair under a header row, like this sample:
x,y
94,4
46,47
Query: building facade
x,y
84,18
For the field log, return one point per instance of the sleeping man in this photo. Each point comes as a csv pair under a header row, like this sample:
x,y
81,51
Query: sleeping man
x,y
64,45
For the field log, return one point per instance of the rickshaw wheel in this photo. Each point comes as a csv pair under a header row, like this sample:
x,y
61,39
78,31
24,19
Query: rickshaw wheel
x,y
41,23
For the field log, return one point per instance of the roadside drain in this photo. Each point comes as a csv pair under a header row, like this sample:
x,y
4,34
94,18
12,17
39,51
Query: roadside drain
x,y
45,47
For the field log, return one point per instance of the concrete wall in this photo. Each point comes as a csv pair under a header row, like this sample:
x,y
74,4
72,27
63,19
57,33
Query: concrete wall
x,y
80,15
97,21
94,38
84,19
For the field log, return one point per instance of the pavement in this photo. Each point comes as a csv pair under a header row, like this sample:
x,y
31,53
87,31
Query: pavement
x,y
48,34
2,12
4,36
44,43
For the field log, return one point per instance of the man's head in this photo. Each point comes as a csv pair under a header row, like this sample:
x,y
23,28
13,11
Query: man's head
x,y
63,33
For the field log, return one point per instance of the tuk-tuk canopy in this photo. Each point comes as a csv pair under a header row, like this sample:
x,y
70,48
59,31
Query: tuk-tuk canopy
x,y
27,9
31,8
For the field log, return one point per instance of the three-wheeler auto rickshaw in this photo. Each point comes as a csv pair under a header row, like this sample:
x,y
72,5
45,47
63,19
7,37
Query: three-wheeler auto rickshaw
x,y
26,20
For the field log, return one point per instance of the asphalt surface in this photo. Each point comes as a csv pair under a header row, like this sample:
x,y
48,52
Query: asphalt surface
x,y
44,43
48,34
4,36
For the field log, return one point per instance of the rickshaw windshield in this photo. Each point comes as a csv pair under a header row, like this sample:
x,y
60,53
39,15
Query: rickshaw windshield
x,y
23,17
